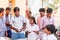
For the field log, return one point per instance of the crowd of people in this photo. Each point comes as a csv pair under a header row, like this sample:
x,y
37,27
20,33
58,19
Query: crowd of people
x,y
18,26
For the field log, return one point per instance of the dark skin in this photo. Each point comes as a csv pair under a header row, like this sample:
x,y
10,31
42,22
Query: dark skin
x,y
42,14
24,27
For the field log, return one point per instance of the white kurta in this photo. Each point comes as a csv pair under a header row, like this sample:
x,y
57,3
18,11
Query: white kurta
x,y
32,35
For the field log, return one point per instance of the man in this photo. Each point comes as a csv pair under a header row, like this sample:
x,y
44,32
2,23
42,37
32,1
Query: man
x,y
47,19
42,14
3,29
17,21
7,21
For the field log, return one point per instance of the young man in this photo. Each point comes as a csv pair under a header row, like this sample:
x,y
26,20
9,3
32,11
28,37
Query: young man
x,y
42,14
3,29
7,21
17,21
29,14
47,19
49,30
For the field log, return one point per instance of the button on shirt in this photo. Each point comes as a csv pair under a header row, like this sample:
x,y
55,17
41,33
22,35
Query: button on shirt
x,y
17,22
3,28
45,21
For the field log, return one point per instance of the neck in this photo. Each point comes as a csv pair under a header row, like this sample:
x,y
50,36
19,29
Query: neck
x,y
17,15
41,16
6,14
48,17
49,33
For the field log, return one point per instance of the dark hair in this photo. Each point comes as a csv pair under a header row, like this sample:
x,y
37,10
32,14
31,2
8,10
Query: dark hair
x,y
42,10
8,8
33,19
49,10
1,10
16,9
51,28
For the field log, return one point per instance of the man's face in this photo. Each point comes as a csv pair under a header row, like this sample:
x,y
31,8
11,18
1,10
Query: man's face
x,y
49,14
16,13
45,30
28,14
8,11
1,14
42,14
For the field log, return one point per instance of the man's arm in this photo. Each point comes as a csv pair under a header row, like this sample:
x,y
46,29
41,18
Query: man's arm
x,y
41,23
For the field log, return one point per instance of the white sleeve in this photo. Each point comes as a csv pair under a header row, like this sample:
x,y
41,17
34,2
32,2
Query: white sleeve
x,y
37,28
12,21
27,28
24,20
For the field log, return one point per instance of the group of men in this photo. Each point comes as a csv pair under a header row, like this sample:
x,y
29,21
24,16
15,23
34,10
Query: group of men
x,y
18,26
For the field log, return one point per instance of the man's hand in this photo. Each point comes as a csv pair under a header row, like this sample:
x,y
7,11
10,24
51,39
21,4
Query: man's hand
x,y
6,34
17,30
37,32
7,24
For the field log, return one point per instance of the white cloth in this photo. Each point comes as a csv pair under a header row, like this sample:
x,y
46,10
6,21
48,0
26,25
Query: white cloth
x,y
17,22
49,37
32,35
27,21
45,21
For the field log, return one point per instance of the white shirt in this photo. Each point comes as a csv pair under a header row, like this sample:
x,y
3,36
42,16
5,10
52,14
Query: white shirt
x,y
27,21
32,35
32,28
17,22
45,21
49,37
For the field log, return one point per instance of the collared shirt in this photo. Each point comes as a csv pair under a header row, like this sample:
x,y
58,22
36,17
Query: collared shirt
x,y
39,20
3,28
45,21
17,22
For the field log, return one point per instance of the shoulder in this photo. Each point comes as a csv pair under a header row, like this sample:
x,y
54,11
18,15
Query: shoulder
x,y
52,18
12,18
54,37
43,18
36,25
21,16
38,17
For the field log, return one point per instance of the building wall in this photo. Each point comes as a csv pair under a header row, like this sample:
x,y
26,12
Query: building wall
x,y
4,3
